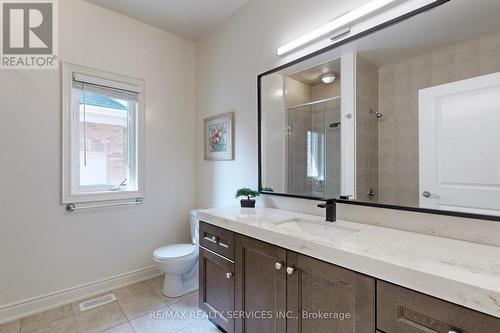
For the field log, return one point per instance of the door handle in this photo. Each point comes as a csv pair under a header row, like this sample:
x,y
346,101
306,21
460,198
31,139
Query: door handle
x,y
224,245
210,238
427,194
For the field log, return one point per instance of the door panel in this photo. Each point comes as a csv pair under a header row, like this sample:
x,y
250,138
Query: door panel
x,y
260,287
459,162
217,288
344,299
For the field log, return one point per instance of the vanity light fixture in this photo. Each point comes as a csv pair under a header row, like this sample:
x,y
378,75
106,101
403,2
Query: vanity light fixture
x,y
328,78
334,25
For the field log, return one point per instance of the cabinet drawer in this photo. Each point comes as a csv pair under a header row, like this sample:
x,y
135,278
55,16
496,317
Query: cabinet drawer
x,y
400,310
218,240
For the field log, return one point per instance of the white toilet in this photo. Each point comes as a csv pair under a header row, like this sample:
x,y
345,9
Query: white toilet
x,y
179,262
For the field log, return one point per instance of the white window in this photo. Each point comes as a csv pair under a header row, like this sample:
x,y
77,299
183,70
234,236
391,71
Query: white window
x,y
103,121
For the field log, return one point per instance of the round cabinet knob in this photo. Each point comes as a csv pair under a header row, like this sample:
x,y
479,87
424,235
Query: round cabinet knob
x,y
278,265
290,270
452,331
229,275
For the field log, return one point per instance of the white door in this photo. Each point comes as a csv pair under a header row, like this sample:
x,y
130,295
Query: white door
x,y
459,139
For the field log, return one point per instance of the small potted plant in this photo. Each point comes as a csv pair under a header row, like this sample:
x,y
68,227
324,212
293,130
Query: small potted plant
x,y
246,192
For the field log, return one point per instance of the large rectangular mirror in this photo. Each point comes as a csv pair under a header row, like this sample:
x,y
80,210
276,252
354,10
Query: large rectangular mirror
x,y
406,116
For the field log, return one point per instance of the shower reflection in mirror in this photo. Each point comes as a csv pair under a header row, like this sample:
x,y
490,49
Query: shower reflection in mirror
x,y
310,108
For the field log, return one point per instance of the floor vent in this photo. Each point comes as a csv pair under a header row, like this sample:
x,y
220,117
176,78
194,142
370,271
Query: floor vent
x,y
93,303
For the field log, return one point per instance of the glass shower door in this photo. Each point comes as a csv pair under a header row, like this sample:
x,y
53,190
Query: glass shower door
x,y
313,149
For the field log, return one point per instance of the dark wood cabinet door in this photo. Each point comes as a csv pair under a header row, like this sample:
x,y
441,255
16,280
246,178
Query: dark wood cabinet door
x,y
260,286
324,298
217,288
400,310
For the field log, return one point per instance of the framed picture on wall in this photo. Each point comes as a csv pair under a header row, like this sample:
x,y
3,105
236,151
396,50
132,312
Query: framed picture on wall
x,y
219,137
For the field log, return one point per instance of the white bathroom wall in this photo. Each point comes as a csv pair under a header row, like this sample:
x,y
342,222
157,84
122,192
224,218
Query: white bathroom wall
x,y
43,249
229,60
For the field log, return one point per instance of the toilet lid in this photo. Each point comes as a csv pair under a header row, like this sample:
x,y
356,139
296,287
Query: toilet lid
x,y
174,251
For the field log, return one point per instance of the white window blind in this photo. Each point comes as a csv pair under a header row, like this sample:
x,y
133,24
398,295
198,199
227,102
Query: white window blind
x,y
106,87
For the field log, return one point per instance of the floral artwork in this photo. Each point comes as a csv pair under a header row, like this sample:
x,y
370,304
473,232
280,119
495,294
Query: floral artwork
x,y
219,137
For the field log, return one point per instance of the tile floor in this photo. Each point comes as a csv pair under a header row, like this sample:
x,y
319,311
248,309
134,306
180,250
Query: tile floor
x,y
132,312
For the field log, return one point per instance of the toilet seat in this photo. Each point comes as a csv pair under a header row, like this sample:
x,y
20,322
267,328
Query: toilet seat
x,y
175,252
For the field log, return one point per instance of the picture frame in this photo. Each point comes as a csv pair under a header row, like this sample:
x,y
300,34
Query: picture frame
x,y
219,137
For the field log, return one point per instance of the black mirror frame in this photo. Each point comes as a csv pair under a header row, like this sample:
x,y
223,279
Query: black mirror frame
x,y
344,201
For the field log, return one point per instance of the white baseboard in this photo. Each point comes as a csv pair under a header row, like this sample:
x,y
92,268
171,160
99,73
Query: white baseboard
x,y
27,307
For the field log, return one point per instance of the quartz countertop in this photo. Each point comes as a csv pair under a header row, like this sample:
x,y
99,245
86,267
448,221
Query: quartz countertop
x,y
460,272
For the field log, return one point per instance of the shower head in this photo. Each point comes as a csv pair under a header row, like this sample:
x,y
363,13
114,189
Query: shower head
x,y
377,114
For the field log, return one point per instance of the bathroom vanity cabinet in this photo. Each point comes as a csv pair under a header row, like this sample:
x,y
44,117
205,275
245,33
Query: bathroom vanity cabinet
x,y
282,291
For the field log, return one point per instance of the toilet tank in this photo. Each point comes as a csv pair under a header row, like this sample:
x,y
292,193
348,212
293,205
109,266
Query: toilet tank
x,y
194,227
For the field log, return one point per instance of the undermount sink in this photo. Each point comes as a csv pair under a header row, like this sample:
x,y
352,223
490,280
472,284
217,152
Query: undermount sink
x,y
324,230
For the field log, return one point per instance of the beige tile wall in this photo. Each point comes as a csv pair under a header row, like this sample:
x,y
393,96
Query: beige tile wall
x,y
324,91
366,129
297,92
398,101
333,149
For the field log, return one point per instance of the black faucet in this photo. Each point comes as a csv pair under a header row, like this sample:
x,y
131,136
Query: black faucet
x,y
331,209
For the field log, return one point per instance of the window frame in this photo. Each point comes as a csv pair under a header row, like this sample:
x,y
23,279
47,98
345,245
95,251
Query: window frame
x,y
69,156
